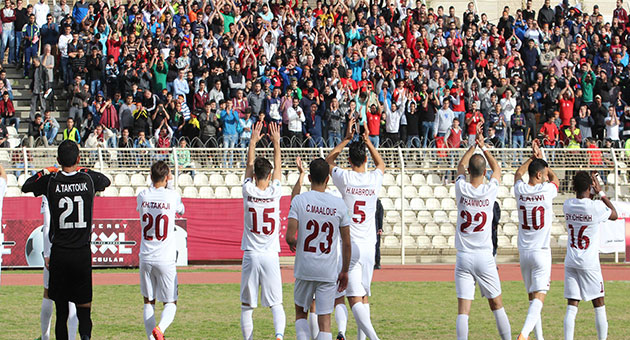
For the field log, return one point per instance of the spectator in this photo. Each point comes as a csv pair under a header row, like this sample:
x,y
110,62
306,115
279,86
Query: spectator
x,y
612,126
392,117
230,121
473,118
573,136
7,16
599,113
335,118
71,132
38,87
246,123
314,126
454,135
41,10
518,128
141,141
256,99
201,97
550,133
125,140
209,126
497,120
109,115
99,138
126,113
566,100
296,119
30,34
413,125
140,120
4,136
443,119
163,135
625,125
7,112
51,127
36,132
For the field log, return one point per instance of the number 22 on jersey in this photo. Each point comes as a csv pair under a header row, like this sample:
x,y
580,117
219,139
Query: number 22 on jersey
x,y
480,218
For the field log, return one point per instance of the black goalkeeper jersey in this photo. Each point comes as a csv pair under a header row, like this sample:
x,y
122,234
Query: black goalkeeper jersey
x,y
70,200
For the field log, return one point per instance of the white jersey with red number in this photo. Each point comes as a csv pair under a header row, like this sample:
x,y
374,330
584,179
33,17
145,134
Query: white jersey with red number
x,y
584,217
474,215
157,208
319,216
360,192
261,217
535,214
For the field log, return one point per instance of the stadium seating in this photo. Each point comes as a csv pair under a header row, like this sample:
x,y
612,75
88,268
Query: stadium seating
x,y
126,191
137,180
110,192
206,192
185,180
440,192
121,180
222,192
190,192
416,204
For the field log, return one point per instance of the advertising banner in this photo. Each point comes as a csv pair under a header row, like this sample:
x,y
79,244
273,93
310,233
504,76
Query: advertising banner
x,y
115,243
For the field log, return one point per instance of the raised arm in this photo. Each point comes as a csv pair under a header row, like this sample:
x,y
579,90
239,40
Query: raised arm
x,y
251,152
332,156
595,186
376,157
274,131
298,184
461,167
494,165
523,168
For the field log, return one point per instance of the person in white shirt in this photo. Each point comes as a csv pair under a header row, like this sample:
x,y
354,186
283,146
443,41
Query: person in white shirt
x,y
261,242
41,10
582,271
475,263
157,207
296,119
508,105
612,125
321,222
359,189
46,312
535,202
443,119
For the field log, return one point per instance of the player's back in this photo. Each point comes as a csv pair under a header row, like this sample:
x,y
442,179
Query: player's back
x,y
360,193
583,218
70,199
474,218
535,214
319,216
157,208
261,219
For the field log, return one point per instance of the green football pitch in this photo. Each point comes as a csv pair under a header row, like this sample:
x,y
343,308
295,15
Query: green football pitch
x,y
400,310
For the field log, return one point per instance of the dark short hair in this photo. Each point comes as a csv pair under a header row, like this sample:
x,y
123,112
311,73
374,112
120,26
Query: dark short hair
x,y
476,165
582,181
357,153
159,171
68,153
262,168
37,115
536,166
319,170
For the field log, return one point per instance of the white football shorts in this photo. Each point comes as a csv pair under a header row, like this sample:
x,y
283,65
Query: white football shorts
x,y
361,270
583,284
536,269
472,268
158,281
323,292
261,269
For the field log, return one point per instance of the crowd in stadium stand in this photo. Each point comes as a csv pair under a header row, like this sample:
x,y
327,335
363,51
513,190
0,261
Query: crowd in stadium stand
x,y
150,73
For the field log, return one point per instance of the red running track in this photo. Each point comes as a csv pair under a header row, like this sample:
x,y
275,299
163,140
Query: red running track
x,y
389,273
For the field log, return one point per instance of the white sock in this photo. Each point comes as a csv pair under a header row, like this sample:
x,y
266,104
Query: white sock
x,y
45,316
149,319
360,334
462,327
247,322
313,325
341,316
503,324
73,321
569,322
538,329
324,336
362,317
533,316
601,323
168,315
279,320
302,331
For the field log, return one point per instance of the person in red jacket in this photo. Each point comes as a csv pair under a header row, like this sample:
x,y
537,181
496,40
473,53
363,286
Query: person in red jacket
x,y
201,97
7,111
473,118
551,133
374,124
621,14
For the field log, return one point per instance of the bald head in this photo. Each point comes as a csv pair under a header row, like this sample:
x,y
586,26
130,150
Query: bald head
x,y
477,165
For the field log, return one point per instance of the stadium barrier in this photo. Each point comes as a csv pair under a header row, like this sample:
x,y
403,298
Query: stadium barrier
x,y
417,194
